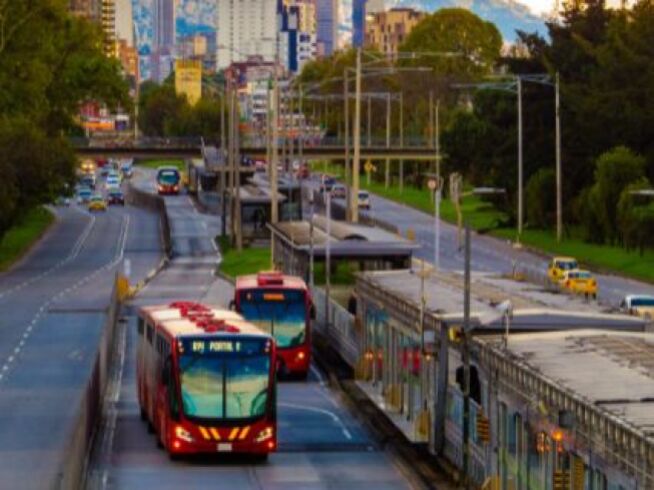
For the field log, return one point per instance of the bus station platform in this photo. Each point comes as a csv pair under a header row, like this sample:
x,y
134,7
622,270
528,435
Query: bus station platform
x,y
411,366
372,248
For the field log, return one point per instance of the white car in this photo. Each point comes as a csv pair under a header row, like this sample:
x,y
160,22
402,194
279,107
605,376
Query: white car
x,y
364,200
112,182
641,305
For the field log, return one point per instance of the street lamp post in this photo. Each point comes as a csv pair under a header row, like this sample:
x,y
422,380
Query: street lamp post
x,y
520,205
356,161
387,170
559,177
346,122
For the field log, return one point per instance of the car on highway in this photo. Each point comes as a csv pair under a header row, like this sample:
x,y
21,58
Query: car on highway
x,y
84,195
578,281
364,200
559,266
641,305
126,169
327,183
62,201
112,183
115,196
339,191
97,203
87,181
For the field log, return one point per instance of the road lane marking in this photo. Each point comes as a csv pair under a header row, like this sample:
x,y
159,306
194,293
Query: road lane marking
x,y
335,418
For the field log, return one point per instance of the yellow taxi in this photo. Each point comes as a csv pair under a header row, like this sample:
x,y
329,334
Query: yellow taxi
x,y
559,266
97,203
579,282
641,305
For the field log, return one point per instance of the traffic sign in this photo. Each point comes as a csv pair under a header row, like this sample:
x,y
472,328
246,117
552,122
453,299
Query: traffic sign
x,y
369,167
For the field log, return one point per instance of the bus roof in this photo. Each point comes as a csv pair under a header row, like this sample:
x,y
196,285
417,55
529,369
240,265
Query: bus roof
x,y
271,280
195,319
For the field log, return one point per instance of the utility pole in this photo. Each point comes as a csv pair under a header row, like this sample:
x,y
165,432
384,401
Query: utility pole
x,y
328,255
237,166
431,118
387,170
437,135
225,162
559,177
302,128
401,141
356,162
465,353
346,122
369,121
232,166
273,164
520,207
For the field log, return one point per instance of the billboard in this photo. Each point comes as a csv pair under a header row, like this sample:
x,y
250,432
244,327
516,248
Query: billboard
x,y
188,79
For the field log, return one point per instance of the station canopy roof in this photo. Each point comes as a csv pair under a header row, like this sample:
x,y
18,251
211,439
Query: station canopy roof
x,y
346,240
533,310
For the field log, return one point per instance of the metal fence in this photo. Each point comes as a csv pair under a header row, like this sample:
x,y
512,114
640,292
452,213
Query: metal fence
x,y
340,331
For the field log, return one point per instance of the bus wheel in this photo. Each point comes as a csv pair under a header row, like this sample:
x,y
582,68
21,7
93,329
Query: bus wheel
x,y
144,416
150,428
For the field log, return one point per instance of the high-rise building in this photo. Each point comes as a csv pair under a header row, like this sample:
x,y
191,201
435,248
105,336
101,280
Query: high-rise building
x,y
307,16
91,9
104,13
188,79
125,21
246,28
326,26
386,30
163,38
109,27
358,22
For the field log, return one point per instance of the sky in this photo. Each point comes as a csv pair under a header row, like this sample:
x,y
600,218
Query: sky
x,y
539,6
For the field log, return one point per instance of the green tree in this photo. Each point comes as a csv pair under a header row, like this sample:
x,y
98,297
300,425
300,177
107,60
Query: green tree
x,y
539,198
50,63
475,42
615,170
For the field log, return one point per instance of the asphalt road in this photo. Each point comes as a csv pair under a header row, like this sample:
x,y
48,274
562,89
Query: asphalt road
x,y
53,306
321,443
489,254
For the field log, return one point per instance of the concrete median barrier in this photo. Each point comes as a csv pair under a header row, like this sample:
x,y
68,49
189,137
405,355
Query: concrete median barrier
x,y
72,468
152,202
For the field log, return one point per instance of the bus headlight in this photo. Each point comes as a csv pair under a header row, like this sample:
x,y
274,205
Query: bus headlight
x,y
264,435
183,434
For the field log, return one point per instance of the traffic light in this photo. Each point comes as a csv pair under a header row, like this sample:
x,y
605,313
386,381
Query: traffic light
x,y
483,428
455,334
561,480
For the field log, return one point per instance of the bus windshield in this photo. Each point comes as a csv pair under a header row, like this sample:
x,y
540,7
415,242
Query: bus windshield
x,y
168,177
282,313
642,301
224,386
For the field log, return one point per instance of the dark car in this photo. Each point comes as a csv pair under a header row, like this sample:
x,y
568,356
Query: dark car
x,y
115,197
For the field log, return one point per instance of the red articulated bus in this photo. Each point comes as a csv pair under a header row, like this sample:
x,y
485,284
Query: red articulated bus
x,y
280,305
206,380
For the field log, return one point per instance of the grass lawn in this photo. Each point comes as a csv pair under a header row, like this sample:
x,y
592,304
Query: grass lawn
x,y
591,255
480,214
343,273
161,163
19,238
249,261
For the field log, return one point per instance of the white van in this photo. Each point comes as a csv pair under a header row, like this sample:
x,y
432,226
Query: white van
x,y
364,200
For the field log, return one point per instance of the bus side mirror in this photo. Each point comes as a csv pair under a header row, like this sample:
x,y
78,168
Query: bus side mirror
x,y
312,311
232,305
